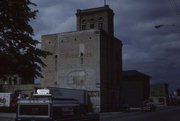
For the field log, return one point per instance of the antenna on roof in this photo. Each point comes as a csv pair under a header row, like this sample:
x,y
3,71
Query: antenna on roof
x,y
104,2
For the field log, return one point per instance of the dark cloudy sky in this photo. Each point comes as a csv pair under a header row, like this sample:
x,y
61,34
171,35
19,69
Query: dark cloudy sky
x,y
155,52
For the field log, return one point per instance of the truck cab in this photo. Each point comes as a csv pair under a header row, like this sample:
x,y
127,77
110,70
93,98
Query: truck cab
x,y
43,107
34,110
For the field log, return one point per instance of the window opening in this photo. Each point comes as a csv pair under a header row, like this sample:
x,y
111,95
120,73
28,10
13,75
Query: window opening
x,y
100,25
10,79
83,20
83,27
15,80
91,26
91,19
100,18
81,52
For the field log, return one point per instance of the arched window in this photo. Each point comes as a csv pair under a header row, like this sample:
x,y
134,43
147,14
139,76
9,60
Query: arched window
x,y
83,21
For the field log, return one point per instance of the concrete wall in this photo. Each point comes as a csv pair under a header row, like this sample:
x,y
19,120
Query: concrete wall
x,y
90,60
49,43
75,62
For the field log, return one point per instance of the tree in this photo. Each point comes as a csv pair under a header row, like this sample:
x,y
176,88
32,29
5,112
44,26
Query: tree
x,y
18,50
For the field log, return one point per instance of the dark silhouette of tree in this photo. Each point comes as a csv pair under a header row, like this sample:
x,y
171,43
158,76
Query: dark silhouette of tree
x,y
18,50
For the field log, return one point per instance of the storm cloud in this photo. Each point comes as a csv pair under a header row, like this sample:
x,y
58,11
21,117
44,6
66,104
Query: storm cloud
x,y
155,52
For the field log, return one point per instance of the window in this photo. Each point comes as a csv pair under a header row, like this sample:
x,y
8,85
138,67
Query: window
x,y
4,80
10,80
65,111
83,27
83,20
81,52
55,56
91,26
100,25
91,19
100,18
15,80
34,110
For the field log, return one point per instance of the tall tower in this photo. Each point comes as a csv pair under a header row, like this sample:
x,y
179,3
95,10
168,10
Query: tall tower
x,y
89,58
96,18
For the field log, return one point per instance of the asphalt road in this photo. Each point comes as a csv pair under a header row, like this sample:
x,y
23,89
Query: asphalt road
x,y
168,114
172,114
88,117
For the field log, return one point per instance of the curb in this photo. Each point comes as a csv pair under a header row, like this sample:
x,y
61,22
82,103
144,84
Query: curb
x,y
9,118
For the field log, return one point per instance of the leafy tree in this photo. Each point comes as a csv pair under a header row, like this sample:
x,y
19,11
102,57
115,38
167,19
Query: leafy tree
x,y
18,50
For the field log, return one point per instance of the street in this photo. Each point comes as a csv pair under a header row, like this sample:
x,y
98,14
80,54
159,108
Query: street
x,y
167,114
88,117
171,114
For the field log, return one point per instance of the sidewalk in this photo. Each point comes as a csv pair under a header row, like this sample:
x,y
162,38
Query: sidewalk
x,y
165,107
7,115
106,114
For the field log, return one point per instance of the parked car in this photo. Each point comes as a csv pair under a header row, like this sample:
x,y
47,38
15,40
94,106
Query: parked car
x,y
125,107
149,107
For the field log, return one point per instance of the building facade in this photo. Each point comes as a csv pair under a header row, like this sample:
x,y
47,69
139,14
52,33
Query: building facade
x,y
159,93
135,88
89,59
99,18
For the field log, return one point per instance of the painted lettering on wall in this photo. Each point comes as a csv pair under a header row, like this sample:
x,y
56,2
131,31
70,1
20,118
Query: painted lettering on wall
x,y
94,93
76,79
